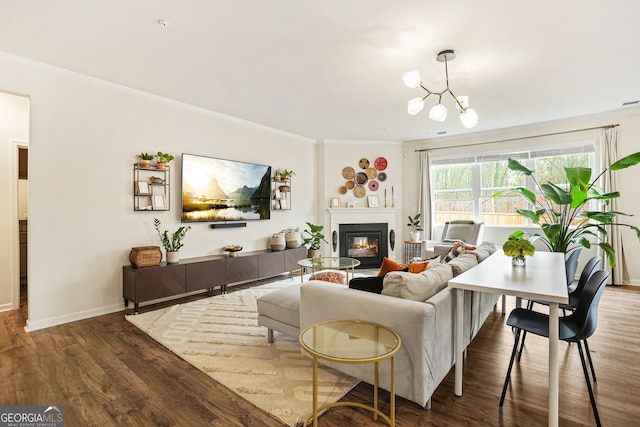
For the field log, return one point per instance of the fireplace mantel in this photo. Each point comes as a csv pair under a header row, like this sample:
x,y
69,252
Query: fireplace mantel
x,y
363,216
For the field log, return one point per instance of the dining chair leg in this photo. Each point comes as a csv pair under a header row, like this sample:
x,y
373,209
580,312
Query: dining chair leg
x,y
586,377
524,336
513,356
593,371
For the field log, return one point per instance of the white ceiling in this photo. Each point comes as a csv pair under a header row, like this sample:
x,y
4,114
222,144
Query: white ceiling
x,y
332,69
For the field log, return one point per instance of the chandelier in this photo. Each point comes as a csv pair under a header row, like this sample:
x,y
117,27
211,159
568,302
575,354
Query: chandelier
x,y
438,112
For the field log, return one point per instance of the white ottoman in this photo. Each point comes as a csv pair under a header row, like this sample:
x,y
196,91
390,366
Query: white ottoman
x,y
280,310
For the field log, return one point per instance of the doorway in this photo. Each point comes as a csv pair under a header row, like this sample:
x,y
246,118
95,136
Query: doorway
x,y
23,221
14,145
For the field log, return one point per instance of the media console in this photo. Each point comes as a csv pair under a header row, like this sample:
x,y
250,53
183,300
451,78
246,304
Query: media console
x,y
194,274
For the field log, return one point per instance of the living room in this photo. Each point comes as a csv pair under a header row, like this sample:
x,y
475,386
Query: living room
x,y
84,134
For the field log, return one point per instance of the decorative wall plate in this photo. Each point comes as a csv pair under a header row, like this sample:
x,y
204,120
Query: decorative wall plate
x,y
349,185
361,178
382,176
364,163
342,190
348,172
359,191
371,172
373,185
380,163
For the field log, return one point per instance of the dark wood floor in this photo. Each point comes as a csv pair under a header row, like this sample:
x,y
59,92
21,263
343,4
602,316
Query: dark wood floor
x,y
105,372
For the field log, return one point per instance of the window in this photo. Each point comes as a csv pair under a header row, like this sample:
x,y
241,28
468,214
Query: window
x,y
463,186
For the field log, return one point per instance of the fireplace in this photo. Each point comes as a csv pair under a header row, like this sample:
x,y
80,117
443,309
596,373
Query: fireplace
x,y
367,243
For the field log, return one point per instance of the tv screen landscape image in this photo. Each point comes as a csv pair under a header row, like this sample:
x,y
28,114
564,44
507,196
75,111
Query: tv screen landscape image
x,y
224,190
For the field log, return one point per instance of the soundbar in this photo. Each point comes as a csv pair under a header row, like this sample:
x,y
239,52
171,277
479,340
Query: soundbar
x,y
228,224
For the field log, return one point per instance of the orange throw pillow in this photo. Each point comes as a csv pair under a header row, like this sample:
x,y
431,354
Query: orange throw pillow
x,y
390,265
417,267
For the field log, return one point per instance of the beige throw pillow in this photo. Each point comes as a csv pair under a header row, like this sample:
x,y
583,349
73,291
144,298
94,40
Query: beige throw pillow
x,y
417,287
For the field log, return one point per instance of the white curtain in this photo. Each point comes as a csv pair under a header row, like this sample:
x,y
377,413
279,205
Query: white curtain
x,y
609,144
424,202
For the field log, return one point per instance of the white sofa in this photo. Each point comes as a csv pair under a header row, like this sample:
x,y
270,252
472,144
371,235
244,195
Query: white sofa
x,y
425,327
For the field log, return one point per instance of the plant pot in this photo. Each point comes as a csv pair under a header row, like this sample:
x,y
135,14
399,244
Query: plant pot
x,y
414,236
145,164
161,165
313,253
173,257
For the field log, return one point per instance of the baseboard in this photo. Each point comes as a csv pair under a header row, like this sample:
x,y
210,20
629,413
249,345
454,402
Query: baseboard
x,y
6,307
71,317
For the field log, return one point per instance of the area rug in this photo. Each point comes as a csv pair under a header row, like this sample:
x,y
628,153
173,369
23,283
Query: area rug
x,y
220,336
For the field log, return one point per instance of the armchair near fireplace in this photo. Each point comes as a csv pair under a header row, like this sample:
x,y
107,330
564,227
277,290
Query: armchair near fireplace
x,y
467,231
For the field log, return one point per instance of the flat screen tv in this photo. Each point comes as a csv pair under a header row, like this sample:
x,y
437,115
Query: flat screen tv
x,y
224,190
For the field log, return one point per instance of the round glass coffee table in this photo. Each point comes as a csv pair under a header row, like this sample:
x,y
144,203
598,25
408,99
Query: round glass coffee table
x,y
351,341
328,263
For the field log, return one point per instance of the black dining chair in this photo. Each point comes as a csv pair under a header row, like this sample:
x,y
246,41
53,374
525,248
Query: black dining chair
x,y
570,267
574,296
574,328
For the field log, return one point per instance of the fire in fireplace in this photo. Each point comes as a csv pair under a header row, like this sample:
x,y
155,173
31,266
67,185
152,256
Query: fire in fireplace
x,y
366,242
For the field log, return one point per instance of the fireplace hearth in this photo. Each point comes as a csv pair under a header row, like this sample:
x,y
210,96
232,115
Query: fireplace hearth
x,y
365,242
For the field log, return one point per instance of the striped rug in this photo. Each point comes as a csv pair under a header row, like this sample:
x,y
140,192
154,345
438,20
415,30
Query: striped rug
x,y
220,336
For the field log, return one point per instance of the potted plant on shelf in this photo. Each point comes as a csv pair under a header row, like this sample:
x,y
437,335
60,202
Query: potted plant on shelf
x,y
163,159
315,238
283,174
416,228
145,160
171,242
565,215
517,247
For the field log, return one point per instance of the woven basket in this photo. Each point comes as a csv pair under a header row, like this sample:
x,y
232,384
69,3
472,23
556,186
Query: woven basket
x,y
145,256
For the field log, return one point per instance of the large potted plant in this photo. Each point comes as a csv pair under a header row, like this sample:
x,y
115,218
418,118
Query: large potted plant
x,y
314,240
565,216
171,242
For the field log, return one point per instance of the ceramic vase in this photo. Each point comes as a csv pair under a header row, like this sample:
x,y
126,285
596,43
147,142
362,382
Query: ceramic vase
x,y
173,257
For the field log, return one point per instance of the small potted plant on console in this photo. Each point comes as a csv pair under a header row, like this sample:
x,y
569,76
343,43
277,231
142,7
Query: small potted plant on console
x,y
171,242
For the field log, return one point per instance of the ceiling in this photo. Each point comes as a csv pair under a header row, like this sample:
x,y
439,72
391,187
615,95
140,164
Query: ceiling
x,y
332,69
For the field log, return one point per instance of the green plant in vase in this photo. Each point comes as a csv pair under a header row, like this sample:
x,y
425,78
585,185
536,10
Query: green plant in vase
x,y
517,247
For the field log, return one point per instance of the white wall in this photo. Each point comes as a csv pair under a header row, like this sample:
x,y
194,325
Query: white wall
x,y
85,135
628,143
334,155
14,128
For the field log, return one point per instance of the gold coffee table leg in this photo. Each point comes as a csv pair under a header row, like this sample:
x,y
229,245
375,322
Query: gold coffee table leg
x,y
315,391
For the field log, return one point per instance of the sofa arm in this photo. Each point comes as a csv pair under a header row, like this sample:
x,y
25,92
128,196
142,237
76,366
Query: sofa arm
x,y
414,322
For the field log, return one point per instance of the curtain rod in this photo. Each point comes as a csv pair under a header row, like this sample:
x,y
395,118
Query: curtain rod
x,y
521,138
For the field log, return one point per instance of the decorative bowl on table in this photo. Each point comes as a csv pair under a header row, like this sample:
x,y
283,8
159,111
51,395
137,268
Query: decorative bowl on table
x,y
233,250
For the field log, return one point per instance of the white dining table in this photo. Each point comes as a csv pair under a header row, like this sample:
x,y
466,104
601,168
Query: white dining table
x,y
543,278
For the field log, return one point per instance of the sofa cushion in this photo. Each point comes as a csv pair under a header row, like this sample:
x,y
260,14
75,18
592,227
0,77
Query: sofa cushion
x,y
417,287
333,276
463,262
369,284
